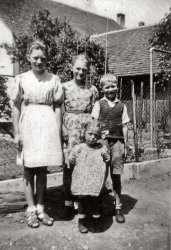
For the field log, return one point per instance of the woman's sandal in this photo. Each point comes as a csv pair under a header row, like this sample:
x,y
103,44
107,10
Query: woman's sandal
x,y
31,219
44,218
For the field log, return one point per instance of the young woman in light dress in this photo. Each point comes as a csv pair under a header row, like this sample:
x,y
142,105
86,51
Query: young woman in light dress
x,y
36,97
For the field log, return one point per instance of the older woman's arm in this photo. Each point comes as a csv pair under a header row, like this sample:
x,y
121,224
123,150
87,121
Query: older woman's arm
x,y
16,111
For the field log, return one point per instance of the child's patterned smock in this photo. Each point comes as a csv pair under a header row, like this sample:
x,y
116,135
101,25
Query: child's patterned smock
x,y
78,102
90,169
38,125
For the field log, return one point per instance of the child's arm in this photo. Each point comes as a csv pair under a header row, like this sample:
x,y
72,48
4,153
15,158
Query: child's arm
x,y
58,116
96,110
73,156
16,111
106,155
125,133
125,120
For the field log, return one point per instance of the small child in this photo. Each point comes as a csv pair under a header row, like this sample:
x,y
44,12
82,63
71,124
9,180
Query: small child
x,y
113,117
89,160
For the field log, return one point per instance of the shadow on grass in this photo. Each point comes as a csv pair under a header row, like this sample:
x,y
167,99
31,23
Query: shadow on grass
x,y
128,203
54,204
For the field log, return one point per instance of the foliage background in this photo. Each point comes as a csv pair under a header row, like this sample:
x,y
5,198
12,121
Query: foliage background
x,y
62,43
161,39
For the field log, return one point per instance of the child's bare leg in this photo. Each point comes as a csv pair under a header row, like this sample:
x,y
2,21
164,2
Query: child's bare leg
x,y
95,207
116,179
41,183
82,212
28,182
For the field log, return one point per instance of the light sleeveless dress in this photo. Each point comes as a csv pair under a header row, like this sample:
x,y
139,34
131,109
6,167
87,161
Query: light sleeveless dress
x,y
38,124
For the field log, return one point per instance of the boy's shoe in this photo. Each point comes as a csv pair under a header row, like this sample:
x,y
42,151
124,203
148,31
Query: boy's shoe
x,y
82,226
119,216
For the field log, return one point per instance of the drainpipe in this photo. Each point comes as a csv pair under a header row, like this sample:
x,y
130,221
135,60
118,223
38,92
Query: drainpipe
x,y
151,96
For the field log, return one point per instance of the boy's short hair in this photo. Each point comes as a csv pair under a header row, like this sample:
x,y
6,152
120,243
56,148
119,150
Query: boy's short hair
x,y
108,77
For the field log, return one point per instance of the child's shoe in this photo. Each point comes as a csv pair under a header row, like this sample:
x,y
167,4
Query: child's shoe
x,y
119,216
42,216
97,225
31,217
82,226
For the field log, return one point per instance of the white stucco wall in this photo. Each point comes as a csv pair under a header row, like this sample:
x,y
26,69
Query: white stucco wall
x,y
6,67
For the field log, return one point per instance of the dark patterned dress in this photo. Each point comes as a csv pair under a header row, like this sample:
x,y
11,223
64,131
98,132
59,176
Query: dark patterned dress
x,y
78,104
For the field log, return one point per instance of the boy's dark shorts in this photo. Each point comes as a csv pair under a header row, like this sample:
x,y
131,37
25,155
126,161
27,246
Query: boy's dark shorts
x,y
117,148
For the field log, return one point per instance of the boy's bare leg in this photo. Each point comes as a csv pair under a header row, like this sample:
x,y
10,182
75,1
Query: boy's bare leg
x,y
116,179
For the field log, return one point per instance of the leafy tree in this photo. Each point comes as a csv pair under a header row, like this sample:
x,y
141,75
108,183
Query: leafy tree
x,y
5,110
63,43
161,39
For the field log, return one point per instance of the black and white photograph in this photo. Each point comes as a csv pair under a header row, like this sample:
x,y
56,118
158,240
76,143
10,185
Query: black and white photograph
x,y
85,124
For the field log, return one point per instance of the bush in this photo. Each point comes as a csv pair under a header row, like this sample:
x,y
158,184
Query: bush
x,y
63,43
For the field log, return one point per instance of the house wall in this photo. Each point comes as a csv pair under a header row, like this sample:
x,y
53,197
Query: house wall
x,y
6,67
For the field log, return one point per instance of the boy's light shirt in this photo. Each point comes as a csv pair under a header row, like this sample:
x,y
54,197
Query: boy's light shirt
x,y
96,110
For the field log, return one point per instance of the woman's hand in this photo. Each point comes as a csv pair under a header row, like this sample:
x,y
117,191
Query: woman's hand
x,y
65,134
18,142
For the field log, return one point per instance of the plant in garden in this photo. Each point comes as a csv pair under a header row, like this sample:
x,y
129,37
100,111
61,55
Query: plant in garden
x,y
161,39
5,110
62,43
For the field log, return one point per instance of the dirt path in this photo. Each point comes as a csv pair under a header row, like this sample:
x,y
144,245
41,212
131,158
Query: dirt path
x,y
147,210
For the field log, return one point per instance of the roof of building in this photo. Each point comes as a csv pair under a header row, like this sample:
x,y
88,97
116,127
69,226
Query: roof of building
x,y
128,51
17,15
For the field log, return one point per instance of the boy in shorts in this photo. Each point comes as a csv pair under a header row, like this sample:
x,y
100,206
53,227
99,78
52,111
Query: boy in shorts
x,y
113,117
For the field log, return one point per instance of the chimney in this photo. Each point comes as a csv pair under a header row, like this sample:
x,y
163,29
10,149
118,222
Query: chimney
x,y
121,19
140,24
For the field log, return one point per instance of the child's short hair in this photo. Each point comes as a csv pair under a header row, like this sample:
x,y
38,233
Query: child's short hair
x,y
81,57
94,124
37,44
108,77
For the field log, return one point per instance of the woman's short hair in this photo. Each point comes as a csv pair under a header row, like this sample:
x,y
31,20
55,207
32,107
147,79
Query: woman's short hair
x,y
81,57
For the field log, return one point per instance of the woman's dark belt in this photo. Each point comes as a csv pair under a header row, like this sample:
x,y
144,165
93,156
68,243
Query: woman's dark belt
x,y
36,103
77,111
